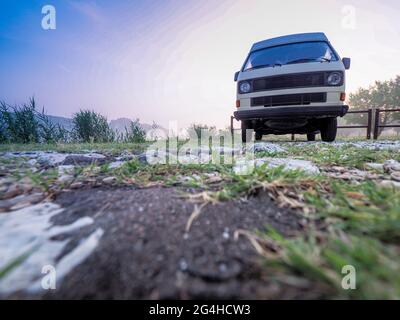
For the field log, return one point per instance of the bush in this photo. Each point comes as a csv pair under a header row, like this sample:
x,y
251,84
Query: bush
x,y
50,132
20,122
135,133
89,126
195,129
4,137
24,124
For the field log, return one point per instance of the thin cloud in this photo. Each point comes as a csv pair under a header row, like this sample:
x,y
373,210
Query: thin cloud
x,y
90,9
64,68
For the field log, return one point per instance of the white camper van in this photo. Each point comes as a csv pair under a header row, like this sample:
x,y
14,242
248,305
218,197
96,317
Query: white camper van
x,y
291,84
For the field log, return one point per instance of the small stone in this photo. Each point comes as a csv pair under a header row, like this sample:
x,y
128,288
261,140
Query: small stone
x,y
31,199
6,181
76,185
109,180
143,158
189,159
66,179
183,265
395,175
225,234
65,169
13,191
32,162
390,184
391,165
20,201
222,267
26,184
85,159
7,204
50,158
265,147
246,166
214,179
159,257
375,166
125,156
115,164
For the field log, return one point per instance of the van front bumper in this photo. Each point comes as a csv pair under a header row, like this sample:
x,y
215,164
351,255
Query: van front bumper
x,y
292,112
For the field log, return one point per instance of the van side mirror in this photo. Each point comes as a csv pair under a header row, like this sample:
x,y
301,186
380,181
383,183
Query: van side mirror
x,y
346,63
236,76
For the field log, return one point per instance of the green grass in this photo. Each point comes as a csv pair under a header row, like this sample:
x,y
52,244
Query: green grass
x,y
363,209
112,147
320,262
168,175
343,155
353,224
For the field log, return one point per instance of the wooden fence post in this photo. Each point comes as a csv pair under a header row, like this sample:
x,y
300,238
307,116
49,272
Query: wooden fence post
x,y
369,129
376,126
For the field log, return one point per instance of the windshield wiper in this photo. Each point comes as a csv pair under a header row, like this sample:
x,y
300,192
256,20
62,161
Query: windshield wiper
x,y
265,66
259,67
322,59
300,60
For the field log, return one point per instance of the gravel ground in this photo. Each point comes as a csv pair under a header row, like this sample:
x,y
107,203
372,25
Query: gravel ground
x,y
122,242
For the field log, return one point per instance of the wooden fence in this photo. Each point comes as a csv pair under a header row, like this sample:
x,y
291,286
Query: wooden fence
x,y
369,122
377,121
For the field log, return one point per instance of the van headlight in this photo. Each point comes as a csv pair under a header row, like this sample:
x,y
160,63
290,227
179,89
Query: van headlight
x,y
244,87
334,79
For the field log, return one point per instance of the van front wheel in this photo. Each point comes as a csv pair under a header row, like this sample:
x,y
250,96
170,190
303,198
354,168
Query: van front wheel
x,y
328,129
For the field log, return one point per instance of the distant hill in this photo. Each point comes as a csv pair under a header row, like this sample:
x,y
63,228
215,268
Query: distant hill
x,y
117,124
120,124
64,122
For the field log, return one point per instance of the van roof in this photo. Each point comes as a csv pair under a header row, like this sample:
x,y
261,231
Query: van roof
x,y
292,38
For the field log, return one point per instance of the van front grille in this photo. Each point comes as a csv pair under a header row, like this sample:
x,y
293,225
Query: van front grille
x,y
289,99
300,80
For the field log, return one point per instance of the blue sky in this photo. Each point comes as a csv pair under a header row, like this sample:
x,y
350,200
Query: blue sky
x,y
172,60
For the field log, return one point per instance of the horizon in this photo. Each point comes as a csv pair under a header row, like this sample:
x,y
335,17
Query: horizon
x,y
173,61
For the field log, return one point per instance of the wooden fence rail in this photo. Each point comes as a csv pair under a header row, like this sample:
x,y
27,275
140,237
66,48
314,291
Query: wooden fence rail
x,y
369,122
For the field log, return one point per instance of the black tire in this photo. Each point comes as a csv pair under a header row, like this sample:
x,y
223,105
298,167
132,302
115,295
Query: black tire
x,y
310,136
328,129
258,136
246,132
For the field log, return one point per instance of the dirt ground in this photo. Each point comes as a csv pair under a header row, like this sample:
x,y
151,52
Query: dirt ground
x,y
145,252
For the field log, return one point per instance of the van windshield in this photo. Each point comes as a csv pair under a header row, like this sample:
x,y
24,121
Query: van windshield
x,y
290,54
